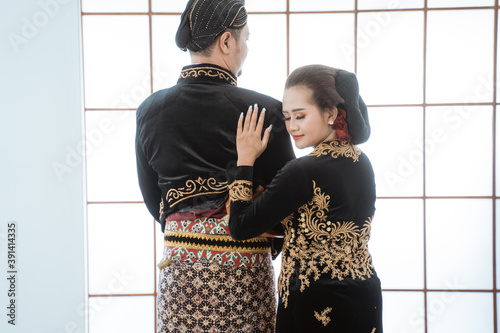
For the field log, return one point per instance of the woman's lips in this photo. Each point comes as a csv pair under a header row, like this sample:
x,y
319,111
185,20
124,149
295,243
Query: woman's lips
x,y
297,137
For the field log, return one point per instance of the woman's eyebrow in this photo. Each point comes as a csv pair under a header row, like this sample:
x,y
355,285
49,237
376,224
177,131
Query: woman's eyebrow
x,y
294,110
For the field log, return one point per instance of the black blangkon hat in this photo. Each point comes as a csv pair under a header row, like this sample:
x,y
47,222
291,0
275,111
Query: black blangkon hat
x,y
204,20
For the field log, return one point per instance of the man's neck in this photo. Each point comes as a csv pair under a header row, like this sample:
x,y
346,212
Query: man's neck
x,y
215,60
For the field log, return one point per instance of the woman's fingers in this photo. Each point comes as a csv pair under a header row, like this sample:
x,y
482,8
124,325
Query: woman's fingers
x,y
248,118
253,122
240,124
249,140
267,134
260,124
254,116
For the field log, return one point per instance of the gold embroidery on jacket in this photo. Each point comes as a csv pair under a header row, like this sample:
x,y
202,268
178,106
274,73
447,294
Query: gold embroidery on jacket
x,y
161,207
194,188
210,72
336,149
316,246
323,318
241,190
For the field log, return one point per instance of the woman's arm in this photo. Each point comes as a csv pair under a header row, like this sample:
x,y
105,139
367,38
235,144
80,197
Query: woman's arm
x,y
290,189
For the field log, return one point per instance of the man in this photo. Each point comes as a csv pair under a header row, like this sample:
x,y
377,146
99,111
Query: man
x,y
185,142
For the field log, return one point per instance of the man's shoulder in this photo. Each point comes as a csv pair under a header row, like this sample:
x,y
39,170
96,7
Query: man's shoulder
x,y
149,102
257,96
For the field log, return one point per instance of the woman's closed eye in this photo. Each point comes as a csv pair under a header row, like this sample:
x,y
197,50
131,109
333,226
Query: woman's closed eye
x,y
298,117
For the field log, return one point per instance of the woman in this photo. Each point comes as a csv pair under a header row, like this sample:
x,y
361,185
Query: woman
x,y
325,202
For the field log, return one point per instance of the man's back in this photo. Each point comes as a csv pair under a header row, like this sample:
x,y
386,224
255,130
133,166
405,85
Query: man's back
x,y
187,136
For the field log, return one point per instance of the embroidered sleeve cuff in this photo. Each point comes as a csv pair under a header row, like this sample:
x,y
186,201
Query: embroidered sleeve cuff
x,y
241,188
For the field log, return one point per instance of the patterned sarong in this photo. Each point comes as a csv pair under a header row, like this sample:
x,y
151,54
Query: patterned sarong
x,y
211,283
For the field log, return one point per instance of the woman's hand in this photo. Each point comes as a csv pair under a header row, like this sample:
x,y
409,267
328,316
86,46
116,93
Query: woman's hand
x,y
249,143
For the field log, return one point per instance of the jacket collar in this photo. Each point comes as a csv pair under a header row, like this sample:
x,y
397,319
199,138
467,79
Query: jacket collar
x,y
206,72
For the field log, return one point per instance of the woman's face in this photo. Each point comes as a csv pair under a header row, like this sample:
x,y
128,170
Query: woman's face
x,y
304,121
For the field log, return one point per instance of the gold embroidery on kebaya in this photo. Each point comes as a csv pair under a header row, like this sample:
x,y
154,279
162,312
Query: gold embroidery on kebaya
x,y
241,190
323,318
194,188
336,149
319,247
210,72
287,223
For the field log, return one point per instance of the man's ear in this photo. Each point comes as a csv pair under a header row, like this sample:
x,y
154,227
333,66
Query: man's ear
x,y
224,42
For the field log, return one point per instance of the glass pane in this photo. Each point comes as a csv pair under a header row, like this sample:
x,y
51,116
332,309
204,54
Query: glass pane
x,y
265,67
451,157
390,57
170,6
392,4
265,6
459,56
168,59
111,166
321,5
120,238
399,170
301,152
459,3
114,6
459,312
122,314
403,312
459,244
178,6
116,55
326,39
399,261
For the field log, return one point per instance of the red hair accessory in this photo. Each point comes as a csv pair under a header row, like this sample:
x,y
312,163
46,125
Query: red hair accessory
x,y
341,126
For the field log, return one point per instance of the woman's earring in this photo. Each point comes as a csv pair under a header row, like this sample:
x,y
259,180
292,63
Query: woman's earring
x,y
330,122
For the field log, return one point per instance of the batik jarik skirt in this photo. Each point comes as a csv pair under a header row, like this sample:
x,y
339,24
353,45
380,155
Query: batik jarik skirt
x,y
211,283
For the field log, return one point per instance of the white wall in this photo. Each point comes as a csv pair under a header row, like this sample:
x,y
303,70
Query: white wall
x,y
41,126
